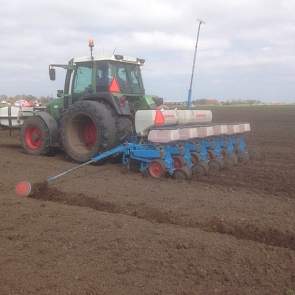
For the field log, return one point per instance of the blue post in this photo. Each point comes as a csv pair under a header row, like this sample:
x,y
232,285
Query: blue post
x,y
189,98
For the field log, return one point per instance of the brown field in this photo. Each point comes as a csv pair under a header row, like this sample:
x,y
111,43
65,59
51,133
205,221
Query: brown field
x,y
102,230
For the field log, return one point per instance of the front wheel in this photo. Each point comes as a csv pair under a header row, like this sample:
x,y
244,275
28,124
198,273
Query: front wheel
x,y
35,136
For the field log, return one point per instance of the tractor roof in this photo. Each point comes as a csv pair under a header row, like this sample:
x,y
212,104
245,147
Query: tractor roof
x,y
116,58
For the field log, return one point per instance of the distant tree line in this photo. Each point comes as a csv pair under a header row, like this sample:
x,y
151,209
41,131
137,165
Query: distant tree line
x,y
203,101
242,101
212,102
227,102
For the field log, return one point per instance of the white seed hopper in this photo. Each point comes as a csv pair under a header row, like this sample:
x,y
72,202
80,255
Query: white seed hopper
x,y
145,119
183,133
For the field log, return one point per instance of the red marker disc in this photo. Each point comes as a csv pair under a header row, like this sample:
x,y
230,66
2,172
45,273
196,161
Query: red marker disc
x,y
23,188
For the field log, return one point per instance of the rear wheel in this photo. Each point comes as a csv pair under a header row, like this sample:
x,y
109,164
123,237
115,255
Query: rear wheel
x,y
35,136
87,128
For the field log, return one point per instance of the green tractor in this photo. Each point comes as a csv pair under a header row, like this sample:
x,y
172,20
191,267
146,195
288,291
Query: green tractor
x,y
94,112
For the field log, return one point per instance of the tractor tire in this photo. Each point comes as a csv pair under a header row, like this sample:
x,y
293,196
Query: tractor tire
x,y
87,128
35,136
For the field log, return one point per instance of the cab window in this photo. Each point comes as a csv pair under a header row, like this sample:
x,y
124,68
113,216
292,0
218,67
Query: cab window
x,y
129,78
122,78
83,79
103,77
135,81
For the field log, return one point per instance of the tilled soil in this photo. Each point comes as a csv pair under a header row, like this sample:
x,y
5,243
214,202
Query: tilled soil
x,y
103,230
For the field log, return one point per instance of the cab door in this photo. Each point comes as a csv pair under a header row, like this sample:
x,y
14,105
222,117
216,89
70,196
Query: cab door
x,y
82,83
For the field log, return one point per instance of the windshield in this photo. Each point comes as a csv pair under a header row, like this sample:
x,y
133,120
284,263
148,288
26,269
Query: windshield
x,y
128,76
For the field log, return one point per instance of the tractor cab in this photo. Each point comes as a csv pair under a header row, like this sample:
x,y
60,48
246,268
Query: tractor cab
x,y
114,80
95,110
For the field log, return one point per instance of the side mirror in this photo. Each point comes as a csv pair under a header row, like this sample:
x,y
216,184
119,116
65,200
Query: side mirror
x,y
60,93
52,74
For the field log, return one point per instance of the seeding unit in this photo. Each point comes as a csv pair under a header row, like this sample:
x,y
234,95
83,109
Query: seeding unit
x,y
181,143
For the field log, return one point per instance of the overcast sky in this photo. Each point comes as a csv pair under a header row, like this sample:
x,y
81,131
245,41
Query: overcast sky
x,y
247,47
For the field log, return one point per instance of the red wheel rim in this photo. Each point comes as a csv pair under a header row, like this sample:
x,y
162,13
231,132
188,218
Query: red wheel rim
x,y
177,162
89,134
156,169
33,138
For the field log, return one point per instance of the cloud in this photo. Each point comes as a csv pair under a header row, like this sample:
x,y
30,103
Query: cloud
x,y
242,40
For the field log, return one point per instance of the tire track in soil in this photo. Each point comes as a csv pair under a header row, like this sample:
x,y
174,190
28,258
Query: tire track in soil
x,y
254,176
239,230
